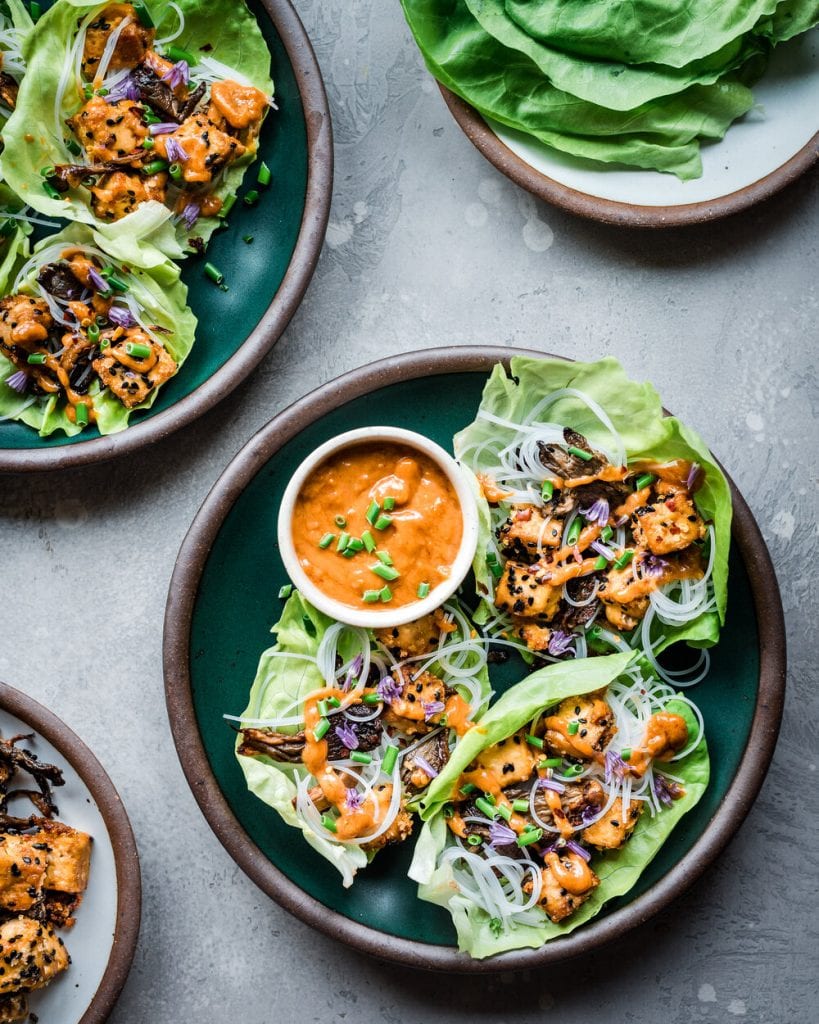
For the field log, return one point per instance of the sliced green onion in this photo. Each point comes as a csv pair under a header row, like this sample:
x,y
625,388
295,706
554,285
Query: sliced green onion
x,y
326,540
624,559
175,171
385,594
48,172
154,167
373,512
323,708
360,757
148,143
88,91
388,762
137,351
600,562
573,728
474,840
643,481
49,190
369,542
264,177
520,806
574,531
251,198
494,565
371,596
534,741
176,53
348,552
328,823
356,544
547,490
35,10
386,572
606,533
579,453
505,812
626,753
144,15
468,788
114,281
285,591
485,807
227,206
104,344
93,332
448,810
382,522
73,147
372,698
489,799
333,702
423,590
214,273
530,836
572,770
389,504
150,117
81,415
36,359
340,521
343,541
551,762
383,557
247,238
321,729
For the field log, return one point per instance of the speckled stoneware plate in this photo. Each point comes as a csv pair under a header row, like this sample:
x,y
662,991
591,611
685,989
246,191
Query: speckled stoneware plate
x,y
267,278
103,941
760,154
223,601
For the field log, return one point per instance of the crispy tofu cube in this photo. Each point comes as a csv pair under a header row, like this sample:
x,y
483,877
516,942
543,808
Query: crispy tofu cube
x,y
526,594
670,523
614,828
511,760
132,385
595,727
626,616
22,871
528,530
31,953
411,711
401,826
556,899
69,858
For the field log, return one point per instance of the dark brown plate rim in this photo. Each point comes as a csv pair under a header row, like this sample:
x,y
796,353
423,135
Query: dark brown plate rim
x,y
126,857
609,211
283,304
176,662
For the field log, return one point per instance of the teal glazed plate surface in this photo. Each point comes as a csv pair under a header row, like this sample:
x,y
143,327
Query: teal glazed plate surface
x,y
223,601
266,279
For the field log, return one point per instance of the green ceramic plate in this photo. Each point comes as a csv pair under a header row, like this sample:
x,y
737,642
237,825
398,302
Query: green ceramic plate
x,y
223,601
268,277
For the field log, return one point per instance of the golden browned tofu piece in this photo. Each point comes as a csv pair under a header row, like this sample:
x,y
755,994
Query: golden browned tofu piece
x,y
519,592
614,828
24,325
511,760
580,727
669,523
666,735
242,106
22,872
109,130
133,43
119,193
31,954
207,148
13,1009
69,857
400,828
626,616
535,637
528,530
417,709
132,380
417,637
567,882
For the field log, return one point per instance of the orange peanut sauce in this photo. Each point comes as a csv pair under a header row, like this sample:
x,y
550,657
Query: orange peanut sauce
x,y
422,538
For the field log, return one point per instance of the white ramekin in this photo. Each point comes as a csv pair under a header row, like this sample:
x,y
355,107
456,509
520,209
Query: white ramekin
x,y
384,616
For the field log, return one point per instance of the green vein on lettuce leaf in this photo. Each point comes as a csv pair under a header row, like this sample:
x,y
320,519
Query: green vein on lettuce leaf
x,y
618,870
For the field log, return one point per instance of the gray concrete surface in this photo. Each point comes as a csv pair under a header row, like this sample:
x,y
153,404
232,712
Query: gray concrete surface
x,y
429,246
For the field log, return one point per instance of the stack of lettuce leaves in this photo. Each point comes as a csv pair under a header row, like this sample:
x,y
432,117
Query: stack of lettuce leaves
x,y
627,82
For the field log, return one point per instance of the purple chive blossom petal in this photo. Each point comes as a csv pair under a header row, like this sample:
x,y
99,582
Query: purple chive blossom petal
x,y
556,787
432,707
694,476
560,642
425,766
653,566
621,521
615,766
190,215
578,849
125,90
163,128
666,790
598,512
121,317
348,736
354,799
603,549
500,834
389,689
175,152
178,75
98,281
18,382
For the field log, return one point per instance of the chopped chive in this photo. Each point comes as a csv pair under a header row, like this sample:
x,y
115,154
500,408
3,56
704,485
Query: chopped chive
x,y
386,572
264,177
360,757
137,351
468,788
328,823
247,238
448,810
48,172
144,15
474,840
148,143
322,708
372,698
343,541
355,544
36,11
530,836
81,415
150,117
340,521
321,729
551,762
606,533
309,625
573,769
371,596
93,332
585,456
600,562
505,812
383,557
73,147
175,171
643,481
624,559
423,590
251,198
49,190
285,591
388,762
494,565
373,512
483,805
534,741
214,273
326,540
333,702
155,166
626,753
520,806
36,359
176,53
382,522
574,531
385,594
104,344
369,542
389,504
573,728
348,552
88,91
490,799
547,490
227,206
